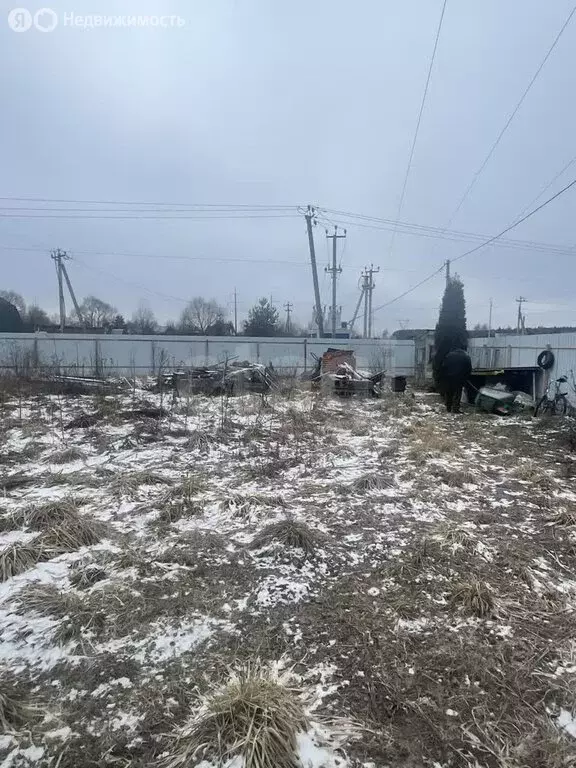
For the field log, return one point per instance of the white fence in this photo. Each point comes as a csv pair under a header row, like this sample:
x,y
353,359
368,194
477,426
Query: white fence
x,y
522,351
102,354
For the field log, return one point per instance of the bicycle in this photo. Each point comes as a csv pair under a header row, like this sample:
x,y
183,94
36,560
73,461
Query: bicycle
x,y
553,402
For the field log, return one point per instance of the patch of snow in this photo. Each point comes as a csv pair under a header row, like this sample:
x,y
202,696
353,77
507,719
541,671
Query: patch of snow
x,y
567,721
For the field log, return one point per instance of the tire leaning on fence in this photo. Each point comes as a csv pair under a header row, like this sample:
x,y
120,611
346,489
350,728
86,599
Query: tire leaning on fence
x,y
545,359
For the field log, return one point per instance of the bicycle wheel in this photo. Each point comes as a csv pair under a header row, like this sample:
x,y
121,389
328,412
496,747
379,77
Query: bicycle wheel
x,y
544,407
559,406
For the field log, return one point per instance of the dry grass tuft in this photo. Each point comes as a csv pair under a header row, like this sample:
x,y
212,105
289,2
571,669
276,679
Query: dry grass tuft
x,y
475,596
372,481
455,536
78,616
74,534
254,716
42,518
47,600
455,478
128,483
289,533
67,455
531,472
17,558
86,577
241,504
13,712
566,517
427,440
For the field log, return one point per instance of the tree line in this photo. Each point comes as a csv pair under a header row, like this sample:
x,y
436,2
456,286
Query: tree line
x,y
200,317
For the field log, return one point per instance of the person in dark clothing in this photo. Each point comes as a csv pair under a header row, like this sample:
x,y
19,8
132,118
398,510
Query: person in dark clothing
x,y
454,373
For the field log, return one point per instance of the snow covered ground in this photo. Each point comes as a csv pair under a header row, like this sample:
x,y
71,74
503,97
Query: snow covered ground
x,y
426,595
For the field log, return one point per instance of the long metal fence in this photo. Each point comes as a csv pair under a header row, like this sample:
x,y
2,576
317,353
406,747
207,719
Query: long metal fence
x,y
105,354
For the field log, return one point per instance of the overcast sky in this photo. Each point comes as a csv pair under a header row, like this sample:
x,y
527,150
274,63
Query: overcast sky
x,y
263,102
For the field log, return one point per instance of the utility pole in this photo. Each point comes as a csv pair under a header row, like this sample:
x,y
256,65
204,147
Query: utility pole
x,y
368,286
235,313
334,271
520,319
288,307
60,257
355,315
490,320
447,272
309,216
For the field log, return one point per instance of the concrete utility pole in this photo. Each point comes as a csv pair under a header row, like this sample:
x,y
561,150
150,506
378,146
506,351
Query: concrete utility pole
x,y
235,313
288,307
334,271
521,319
59,257
490,319
310,216
368,286
355,315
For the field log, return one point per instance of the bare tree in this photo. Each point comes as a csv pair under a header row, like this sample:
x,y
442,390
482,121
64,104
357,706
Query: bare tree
x,y
200,315
97,313
143,321
14,298
35,317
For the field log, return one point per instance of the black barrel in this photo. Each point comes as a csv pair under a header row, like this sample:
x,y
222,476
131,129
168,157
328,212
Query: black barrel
x,y
399,384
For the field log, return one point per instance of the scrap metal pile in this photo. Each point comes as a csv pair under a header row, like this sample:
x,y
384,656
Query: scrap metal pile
x,y
229,379
336,372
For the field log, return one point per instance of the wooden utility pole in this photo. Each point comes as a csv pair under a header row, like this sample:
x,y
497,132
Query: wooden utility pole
x,y
334,270
309,216
490,319
235,313
447,272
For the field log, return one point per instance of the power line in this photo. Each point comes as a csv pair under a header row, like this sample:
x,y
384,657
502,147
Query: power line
x,y
144,203
216,259
420,230
419,120
152,216
510,119
482,245
545,189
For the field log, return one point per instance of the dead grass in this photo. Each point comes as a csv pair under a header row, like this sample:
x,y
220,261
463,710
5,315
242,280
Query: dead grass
x,y
372,481
289,533
475,596
254,716
87,576
454,477
455,536
67,455
14,712
128,483
17,558
427,441
565,518
531,472
241,504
